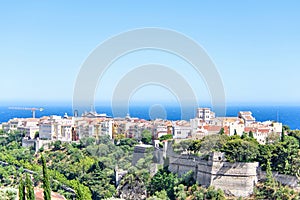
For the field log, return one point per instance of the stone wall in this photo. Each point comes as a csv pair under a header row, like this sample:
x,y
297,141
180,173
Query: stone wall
x,y
140,152
288,180
237,179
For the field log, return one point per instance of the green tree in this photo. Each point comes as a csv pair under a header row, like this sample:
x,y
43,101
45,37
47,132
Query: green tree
x,y
286,128
180,193
285,157
146,137
46,180
282,135
244,135
87,141
82,192
22,195
251,134
221,132
57,145
235,133
212,193
166,137
213,143
36,135
188,179
186,146
269,174
99,180
164,180
29,188
239,150
162,195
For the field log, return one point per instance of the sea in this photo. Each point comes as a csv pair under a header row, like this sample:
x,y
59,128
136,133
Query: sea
x,y
288,115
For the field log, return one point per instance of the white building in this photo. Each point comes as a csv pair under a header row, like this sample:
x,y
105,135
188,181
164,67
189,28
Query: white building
x,y
247,117
29,127
182,132
56,128
46,131
205,114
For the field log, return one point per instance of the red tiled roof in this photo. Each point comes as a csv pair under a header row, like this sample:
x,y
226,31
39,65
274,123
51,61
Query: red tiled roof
x,y
39,195
214,128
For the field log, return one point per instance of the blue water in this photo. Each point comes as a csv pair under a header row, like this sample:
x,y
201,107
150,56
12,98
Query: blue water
x,y
288,115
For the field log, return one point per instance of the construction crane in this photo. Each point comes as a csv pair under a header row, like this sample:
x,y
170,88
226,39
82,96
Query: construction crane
x,y
33,110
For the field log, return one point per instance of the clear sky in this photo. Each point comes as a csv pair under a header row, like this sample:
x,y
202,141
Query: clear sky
x,y
254,44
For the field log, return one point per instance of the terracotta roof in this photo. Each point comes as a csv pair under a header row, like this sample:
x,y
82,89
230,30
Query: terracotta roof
x,y
39,195
214,128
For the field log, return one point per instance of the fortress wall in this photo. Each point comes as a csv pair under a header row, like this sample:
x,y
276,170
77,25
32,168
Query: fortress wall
x,y
234,169
236,179
291,181
233,185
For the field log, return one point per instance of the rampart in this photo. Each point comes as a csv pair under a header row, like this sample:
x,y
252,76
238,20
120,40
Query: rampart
x,y
237,179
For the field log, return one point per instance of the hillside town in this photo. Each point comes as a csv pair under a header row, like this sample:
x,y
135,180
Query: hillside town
x,y
40,131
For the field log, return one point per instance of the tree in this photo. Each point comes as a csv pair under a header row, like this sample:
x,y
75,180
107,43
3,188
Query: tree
x,y
213,143
269,174
146,137
162,195
286,128
180,193
22,190
212,193
239,150
164,180
57,145
244,135
235,133
166,137
282,135
188,179
87,141
29,188
186,146
36,135
285,156
46,180
251,134
221,132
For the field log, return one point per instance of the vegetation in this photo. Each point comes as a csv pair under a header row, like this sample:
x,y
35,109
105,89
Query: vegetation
x,y
166,185
147,137
29,188
166,137
46,181
87,167
22,190
284,156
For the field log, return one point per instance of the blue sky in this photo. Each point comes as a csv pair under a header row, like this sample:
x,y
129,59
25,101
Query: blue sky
x,y
254,44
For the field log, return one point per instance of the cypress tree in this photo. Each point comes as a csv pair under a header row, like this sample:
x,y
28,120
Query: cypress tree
x,y
251,134
46,181
244,135
22,190
29,188
221,132
269,174
282,135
